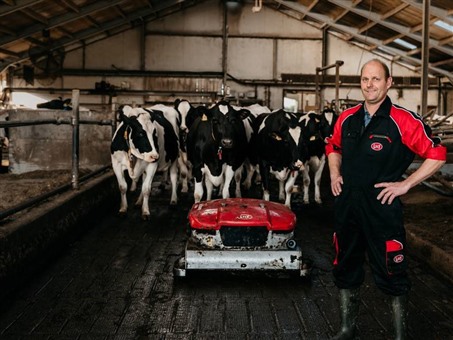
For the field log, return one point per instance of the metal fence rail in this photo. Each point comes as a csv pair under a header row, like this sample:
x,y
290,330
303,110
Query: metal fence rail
x,y
75,122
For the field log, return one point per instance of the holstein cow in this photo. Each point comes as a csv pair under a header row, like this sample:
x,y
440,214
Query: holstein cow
x,y
187,115
145,142
280,150
215,148
250,113
317,128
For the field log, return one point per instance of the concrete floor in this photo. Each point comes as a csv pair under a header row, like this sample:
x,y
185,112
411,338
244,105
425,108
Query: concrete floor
x,y
116,282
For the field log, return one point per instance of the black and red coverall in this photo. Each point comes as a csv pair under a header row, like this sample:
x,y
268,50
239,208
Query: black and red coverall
x,y
379,152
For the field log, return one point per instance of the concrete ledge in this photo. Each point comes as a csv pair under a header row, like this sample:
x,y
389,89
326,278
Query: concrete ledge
x,y
41,233
438,259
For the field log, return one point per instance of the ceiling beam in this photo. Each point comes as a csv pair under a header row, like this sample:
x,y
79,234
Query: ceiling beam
x,y
62,19
366,39
69,4
347,4
102,29
438,12
35,16
19,4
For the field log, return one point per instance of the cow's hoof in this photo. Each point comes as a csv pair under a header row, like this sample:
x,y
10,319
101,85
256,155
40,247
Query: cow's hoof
x,y
145,217
122,214
173,203
318,201
306,202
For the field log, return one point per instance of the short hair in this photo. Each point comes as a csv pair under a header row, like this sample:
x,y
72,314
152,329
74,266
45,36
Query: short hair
x,y
384,66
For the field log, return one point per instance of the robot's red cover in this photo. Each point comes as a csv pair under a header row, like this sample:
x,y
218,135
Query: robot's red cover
x,y
241,212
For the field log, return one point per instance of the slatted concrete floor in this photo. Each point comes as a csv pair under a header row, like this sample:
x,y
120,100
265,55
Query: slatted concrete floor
x,y
116,282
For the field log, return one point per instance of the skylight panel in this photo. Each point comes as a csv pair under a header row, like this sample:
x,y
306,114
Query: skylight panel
x,y
404,43
444,25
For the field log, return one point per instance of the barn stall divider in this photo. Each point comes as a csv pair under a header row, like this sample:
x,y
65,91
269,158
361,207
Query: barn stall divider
x,y
75,122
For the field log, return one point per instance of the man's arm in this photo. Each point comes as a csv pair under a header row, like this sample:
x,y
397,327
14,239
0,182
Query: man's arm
x,y
336,180
394,189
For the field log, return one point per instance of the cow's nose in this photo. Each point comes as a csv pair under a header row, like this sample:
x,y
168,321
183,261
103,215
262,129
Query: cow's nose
x,y
151,157
227,142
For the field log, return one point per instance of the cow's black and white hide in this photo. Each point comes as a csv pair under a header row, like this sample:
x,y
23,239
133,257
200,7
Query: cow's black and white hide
x,y
250,113
280,150
215,148
187,115
144,143
56,104
316,128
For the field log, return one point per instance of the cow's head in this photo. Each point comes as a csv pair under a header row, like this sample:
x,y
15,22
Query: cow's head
x,y
141,133
227,127
286,134
187,116
311,127
328,120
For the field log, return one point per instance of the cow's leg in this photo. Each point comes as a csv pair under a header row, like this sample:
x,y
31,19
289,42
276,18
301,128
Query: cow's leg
x,y
281,190
281,176
146,189
289,187
250,170
134,185
122,185
306,183
237,179
264,170
229,173
183,172
209,188
212,181
198,187
174,183
318,175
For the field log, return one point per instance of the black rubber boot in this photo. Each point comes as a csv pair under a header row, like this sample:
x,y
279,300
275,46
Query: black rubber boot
x,y
349,310
399,311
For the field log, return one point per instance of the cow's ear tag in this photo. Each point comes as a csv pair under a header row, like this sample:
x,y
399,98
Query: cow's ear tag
x,y
204,117
125,134
312,138
219,153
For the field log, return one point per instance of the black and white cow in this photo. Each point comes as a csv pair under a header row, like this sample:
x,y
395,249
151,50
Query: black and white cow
x,y
317,127
215,148
254,111
187,115
280,150
145,142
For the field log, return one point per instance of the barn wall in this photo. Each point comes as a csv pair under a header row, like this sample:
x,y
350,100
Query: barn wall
x,y
49,147
261,46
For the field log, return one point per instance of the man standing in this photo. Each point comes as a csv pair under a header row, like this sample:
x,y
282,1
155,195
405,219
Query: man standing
x,y
372,146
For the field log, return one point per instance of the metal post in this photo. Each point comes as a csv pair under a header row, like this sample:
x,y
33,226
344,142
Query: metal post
x,y
425,57
224,50
317,90
75,138
338,63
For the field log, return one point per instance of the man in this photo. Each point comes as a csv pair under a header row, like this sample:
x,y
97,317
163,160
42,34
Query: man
x,y
372,146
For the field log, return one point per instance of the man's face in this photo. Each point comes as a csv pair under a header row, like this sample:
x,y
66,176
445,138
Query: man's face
x,y
373,83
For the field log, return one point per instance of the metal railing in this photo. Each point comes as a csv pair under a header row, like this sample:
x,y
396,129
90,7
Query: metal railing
x,y
75,122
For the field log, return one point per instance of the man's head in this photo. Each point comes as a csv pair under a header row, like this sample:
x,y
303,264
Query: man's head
x,y
375,80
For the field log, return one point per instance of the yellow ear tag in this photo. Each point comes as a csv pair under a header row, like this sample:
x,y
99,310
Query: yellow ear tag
x,y
125,134
204,118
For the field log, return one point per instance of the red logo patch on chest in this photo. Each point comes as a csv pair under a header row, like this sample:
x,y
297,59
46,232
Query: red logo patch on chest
x,y
398,258
376,146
